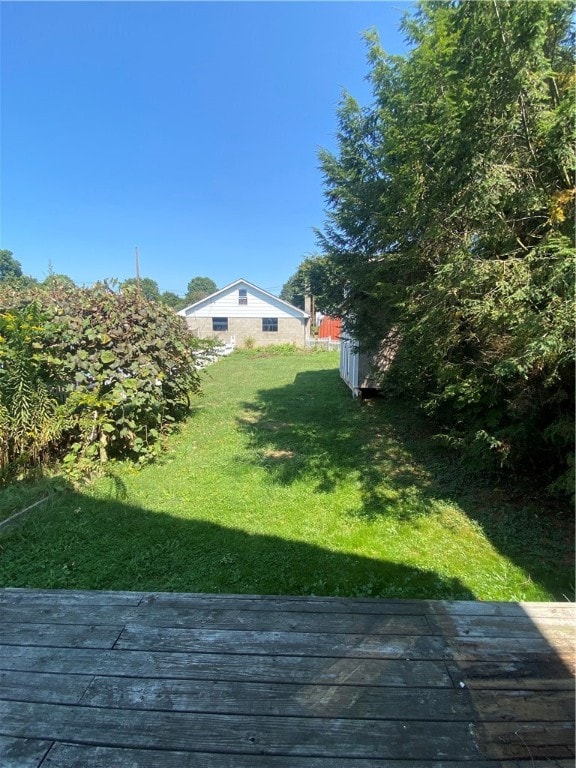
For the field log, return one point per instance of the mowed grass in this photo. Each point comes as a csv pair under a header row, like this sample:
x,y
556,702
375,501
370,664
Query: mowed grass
x,y
281,483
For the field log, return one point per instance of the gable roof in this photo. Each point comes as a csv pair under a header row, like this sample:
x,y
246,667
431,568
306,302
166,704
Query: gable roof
x,y
254,288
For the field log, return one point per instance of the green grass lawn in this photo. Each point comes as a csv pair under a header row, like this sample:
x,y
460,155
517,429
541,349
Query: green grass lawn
x,y
281,483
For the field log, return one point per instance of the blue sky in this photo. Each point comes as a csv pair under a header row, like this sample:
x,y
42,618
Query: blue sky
x,y
188,129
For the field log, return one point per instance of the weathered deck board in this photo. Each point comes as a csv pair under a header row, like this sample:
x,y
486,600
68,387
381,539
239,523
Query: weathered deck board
x,y
185,618
270,668
510,649
59,635
241,734
524,675
73,756
526,740
199,601
38,686
525,706
498,626
18,595
22,753
143,680
136,637
287,699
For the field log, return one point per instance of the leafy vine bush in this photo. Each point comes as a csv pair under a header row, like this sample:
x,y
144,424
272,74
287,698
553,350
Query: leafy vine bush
x,y
88,375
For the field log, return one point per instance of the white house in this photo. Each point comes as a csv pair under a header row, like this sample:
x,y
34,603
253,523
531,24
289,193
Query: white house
x,y
242,313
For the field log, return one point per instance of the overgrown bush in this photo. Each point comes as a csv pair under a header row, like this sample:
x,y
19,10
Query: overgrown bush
x,y
31,418
88,375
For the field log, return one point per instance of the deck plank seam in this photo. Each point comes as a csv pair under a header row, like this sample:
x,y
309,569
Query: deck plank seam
x,y
435,630
448,666
114,646
45,755
86,689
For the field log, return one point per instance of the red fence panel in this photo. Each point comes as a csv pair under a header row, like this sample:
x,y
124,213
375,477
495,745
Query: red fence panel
x,y
330,327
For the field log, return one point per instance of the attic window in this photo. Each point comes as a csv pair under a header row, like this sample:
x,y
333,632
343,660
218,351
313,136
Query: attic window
x,y
242,296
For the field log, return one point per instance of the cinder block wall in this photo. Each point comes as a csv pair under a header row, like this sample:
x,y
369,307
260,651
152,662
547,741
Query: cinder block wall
x,y
290,331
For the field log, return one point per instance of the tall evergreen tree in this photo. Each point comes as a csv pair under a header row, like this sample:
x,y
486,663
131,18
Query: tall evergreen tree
x,y
450,209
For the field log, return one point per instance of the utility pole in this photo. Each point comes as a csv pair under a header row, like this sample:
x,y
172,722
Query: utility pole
x,y
137,270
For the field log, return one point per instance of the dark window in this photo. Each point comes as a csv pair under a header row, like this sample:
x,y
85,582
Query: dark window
x,y
270,324
242,296
219,323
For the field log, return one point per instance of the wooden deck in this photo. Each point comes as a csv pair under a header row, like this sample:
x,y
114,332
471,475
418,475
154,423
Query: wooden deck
x,y
134,680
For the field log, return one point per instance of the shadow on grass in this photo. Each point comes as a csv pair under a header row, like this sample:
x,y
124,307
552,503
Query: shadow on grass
x,y
78,541
312,430
171,650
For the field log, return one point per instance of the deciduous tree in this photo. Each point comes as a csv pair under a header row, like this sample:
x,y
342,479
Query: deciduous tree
x,y
172,300
9,267
199,288
315,277
147,287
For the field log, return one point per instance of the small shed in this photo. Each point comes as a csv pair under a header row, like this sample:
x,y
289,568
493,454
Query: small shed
x,y
355,366
362,372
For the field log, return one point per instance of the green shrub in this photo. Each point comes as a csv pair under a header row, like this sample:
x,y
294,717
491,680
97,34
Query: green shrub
x,y
269,350
91,374
31,419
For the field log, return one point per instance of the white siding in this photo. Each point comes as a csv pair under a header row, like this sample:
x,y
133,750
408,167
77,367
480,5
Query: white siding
x,y
257,306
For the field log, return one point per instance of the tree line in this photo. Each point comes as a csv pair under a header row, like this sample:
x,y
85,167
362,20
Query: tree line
x,y
449,230
198,287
